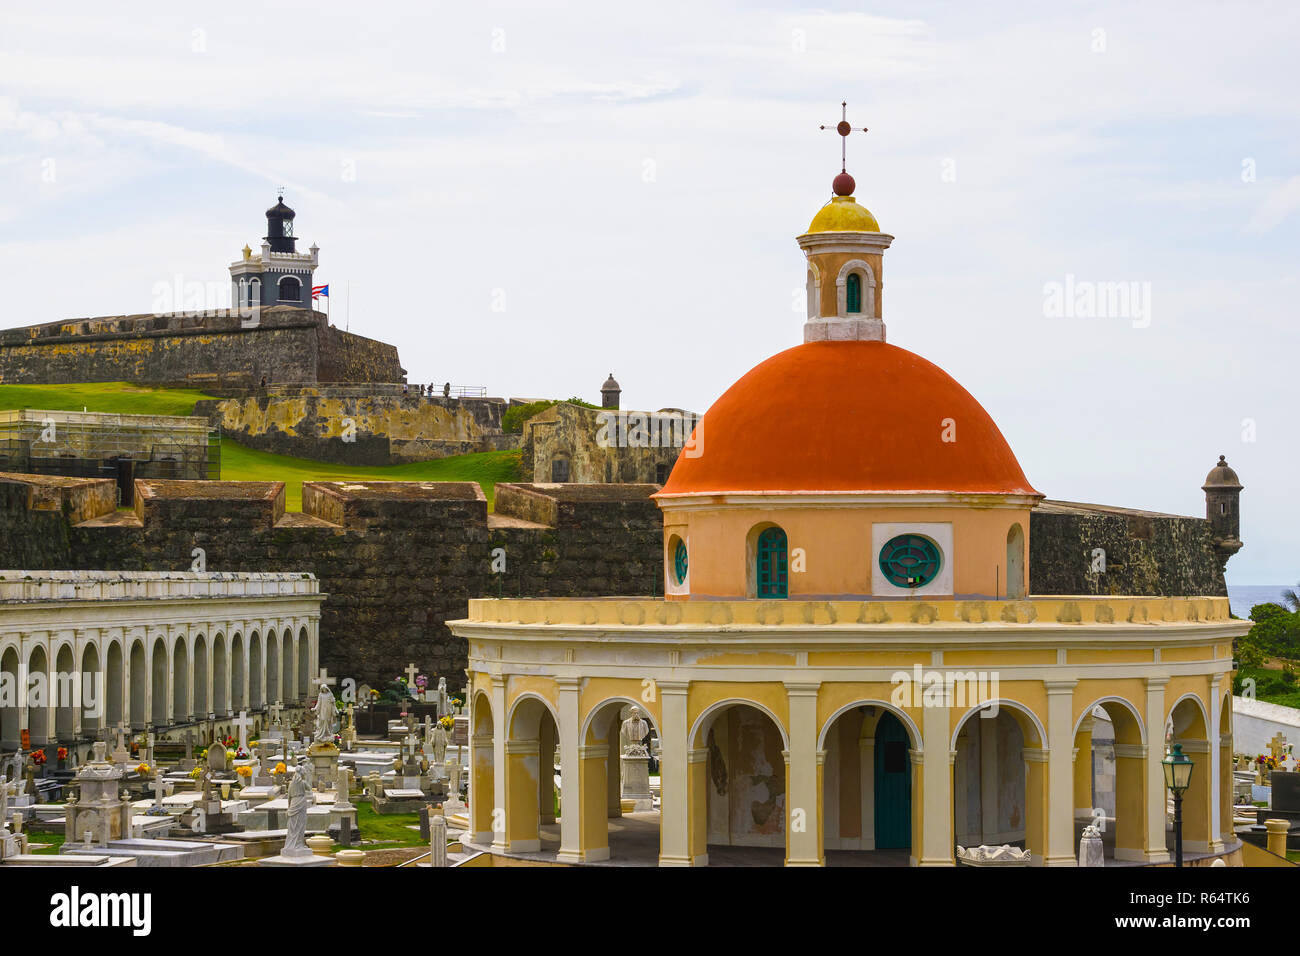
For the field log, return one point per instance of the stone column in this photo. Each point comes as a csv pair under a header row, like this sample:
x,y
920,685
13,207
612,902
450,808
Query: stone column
x,y
481,789
1215,840
1131,805
936,786
593,773
803,817
521,796
1155,815
697,762
572,798
1060,773
499,732
675,820
1037,801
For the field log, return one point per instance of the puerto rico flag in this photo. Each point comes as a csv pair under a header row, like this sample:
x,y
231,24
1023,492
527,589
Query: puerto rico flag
x,y
320,290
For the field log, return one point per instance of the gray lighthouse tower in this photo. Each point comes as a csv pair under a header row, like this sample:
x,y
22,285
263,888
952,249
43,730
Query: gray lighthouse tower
x,y
279,274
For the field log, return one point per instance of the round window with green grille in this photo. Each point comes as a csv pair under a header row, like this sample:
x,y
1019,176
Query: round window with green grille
x,y
910,561
679,561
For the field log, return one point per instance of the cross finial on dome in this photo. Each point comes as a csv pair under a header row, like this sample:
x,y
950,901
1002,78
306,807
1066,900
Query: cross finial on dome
x,y
843,183
279,192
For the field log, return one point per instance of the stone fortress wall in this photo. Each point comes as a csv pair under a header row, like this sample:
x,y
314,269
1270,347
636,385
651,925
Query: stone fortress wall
x,y
218,349
359,424
399,559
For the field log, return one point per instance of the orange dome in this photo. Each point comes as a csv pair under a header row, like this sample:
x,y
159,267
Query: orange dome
x,y
847,416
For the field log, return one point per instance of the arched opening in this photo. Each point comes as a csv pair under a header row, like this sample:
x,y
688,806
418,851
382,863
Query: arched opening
x,y
769,564
238,674
220,676
481,781
37,693
158,658
93,692
10,717
65,694
113,676
853,294
1000,780
202,678
290,289
287,682
272,667
304,664
1016,562
1110,778
1187,725
531,723
254,292
256,668
867,784
811,287
744,784
139,686
616,767
180,682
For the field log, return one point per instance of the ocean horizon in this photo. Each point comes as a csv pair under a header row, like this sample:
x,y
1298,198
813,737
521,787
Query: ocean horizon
x,y
1243,597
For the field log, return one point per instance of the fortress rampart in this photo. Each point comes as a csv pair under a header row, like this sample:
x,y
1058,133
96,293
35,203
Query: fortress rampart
x,y
358,424
219,349
399,559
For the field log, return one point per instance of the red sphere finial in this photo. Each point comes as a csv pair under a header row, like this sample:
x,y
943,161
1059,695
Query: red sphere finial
x,y
843,185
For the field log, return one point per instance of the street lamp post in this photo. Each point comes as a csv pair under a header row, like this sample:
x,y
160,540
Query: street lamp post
x,y
1178,775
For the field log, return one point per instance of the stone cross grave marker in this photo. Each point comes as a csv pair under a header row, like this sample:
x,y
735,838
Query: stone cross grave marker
x,y
1277,746
189,744
243,722
325,679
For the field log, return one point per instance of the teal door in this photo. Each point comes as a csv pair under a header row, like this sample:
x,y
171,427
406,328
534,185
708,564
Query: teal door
x,y
893,785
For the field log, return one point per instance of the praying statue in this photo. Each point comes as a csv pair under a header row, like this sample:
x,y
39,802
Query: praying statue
x,y
633,731
438,741
300,799
327,716
444,702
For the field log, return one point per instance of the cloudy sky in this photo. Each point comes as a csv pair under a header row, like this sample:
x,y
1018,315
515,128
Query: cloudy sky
x,y
528,197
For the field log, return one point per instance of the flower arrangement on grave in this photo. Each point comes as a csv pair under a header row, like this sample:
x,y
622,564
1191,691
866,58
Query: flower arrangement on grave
x,y
238,754
338,740
447,722
230,754
201,753
1266,762
244,771
228,742
281,768
143,769
421,682
196,773
62,753
38,757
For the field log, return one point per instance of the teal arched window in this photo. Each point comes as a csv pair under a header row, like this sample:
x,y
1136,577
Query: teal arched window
x,y
679,562
910,561
853,293
772,579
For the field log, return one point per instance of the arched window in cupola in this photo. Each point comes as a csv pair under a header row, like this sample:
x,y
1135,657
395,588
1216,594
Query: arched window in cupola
x,y
772,567
853,293
290,289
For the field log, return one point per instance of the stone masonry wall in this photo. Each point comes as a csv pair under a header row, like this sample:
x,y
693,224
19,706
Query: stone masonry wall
x,y
356,426
286,345
1145,553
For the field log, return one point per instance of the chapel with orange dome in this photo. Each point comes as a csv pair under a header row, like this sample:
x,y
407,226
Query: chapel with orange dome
x,y
849,656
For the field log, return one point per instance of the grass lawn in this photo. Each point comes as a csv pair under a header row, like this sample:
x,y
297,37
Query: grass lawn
x,y
240,463
101,397
384,831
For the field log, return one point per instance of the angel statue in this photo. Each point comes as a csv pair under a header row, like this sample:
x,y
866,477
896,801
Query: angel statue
x,y
327,716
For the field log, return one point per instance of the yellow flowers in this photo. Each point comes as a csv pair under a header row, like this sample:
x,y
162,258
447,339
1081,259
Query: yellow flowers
x,y
244,771
280,768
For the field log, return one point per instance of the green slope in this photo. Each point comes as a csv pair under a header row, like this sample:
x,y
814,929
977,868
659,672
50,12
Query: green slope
x,y
101,397
239,463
